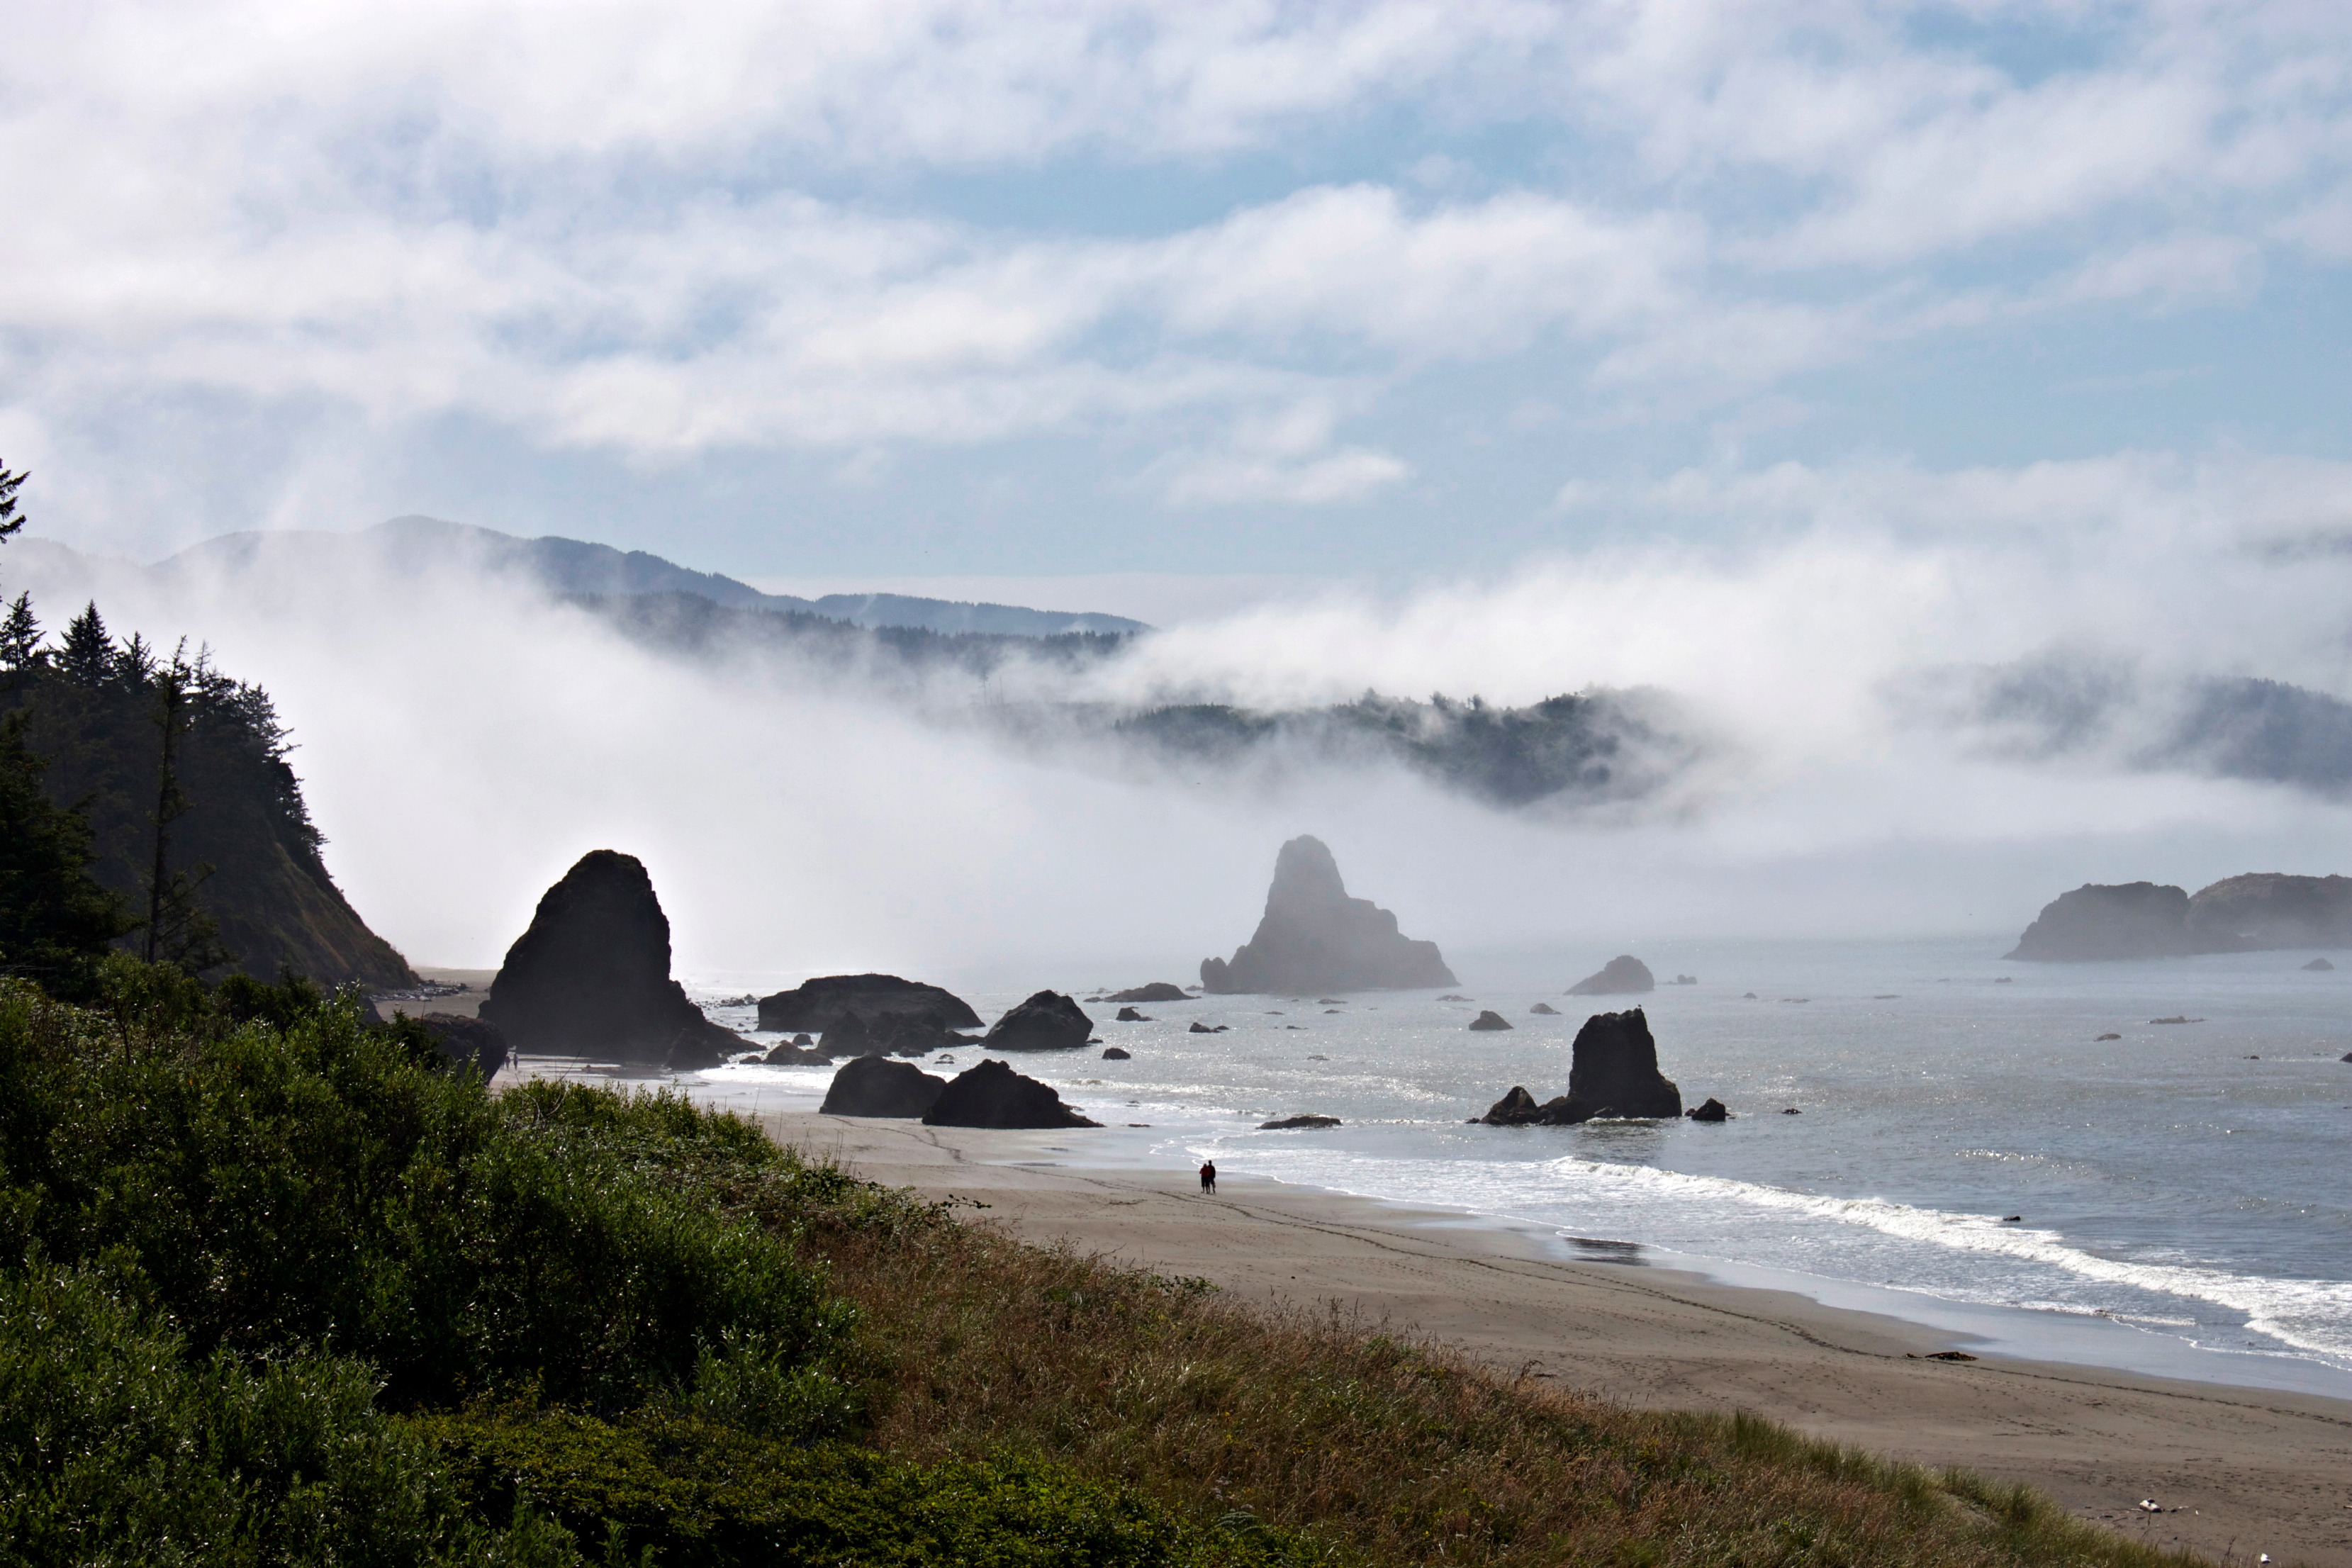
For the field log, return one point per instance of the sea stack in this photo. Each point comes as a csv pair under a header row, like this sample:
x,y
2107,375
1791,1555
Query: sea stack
x,y
591,977
1624,976
993,1095
1315,938
813,1005
1613,1072
1049,1021
2264,910
2099,921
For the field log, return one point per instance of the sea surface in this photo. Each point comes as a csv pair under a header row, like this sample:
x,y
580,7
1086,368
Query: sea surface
x,y
2181,1194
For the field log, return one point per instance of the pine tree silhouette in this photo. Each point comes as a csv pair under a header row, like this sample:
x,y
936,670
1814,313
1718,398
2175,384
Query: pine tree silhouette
x,y
87,657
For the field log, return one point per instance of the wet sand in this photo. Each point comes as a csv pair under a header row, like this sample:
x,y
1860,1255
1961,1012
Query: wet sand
x,y
2249,1471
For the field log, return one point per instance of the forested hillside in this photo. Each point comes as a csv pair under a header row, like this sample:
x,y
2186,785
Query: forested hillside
x,y
241,856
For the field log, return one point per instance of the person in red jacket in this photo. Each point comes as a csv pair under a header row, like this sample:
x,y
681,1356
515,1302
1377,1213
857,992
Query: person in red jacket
x,y
1208,1175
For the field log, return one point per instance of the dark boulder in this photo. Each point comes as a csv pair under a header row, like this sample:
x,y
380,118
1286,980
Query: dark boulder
x,y
876,1086
1314,937
1199,1029
1624,976
2100,921
813,1005
1490,1019
1712,1111
1129,1015
475,1042
2108,1037
1114,1054
1049,1021
2319,965
1613,1069
992,1095
1517,1109
1158,991
848,1036
1546,1008
591,977
795,1056
1290,1123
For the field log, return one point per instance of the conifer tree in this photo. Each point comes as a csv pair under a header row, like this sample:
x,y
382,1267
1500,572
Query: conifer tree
x,y
20,637
87,657
9,519
178,931
54,921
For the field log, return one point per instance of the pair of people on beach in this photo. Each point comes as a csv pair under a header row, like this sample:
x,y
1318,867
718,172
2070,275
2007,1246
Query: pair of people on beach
x,y
1208,1175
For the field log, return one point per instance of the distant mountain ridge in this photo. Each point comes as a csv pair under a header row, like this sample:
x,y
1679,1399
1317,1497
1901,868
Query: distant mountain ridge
x,y
575,566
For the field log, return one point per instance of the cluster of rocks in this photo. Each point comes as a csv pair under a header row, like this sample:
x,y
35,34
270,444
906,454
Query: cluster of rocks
x,y
1612,1071
2258,911
1314,937
988,1095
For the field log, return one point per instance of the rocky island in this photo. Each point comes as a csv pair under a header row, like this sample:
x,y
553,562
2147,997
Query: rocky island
x,y
1624,976
1614,1071
815,1005
2258,911
591,977
1315,938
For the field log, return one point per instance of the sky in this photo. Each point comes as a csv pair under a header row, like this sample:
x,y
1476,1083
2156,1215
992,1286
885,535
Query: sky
x,y
1932,401
1378,291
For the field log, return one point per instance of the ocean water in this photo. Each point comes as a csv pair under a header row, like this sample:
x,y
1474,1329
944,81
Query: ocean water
x,y
2191,1181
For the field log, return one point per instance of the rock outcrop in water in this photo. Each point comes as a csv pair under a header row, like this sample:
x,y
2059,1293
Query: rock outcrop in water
x,y
2257,912
2319,965
813,1005
591,977
876,1086
993,1095
1624,976
1614,1071
1490,1019
1314,937
1049,1021
1158,991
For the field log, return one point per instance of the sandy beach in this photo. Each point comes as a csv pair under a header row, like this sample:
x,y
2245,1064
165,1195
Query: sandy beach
x,y
2240,1471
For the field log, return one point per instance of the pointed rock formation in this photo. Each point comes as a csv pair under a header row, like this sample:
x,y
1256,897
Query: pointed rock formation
x,y
993,1095
876,1086
1049,1021
1624,976
2319,965
1490,1019
591,977
1614,1071
1314,937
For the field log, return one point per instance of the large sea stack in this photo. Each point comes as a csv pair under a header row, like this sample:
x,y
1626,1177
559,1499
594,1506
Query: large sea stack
x,y
993,1095
1613,1072
813,1005
2096,921
1314,937
2271,909
591,977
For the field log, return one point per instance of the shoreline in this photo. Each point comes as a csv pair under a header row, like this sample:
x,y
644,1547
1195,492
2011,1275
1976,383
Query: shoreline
x,y
2249,1469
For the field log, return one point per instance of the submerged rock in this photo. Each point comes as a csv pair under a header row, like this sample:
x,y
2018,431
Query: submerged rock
x,y
1713,1109
876,1086
815,1004
1490,1019
1199,1029
1049,1021
1314,937
1289,1123
2108,1037
1624,976
992,1095
591,977
1158,991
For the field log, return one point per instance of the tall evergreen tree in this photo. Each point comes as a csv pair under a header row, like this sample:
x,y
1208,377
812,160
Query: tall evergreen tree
x,y
178,931
54,921
87,657
20,637
9,483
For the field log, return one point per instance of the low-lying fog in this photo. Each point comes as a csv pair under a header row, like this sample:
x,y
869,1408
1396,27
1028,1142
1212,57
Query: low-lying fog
x,y
1888,735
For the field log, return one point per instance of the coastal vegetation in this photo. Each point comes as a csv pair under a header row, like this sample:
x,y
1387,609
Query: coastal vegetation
x,y
279,1285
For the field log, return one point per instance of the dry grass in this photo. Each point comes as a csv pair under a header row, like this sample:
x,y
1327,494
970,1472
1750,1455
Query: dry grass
x,y
1371,1447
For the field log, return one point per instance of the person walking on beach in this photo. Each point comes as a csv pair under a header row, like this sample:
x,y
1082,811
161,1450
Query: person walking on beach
x,y
1209,1176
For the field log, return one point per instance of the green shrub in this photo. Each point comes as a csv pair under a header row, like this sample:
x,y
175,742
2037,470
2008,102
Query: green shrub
x,y
115,1444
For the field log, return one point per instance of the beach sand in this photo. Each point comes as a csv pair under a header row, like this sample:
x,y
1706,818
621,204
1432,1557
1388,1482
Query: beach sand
x,y
2249,1471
